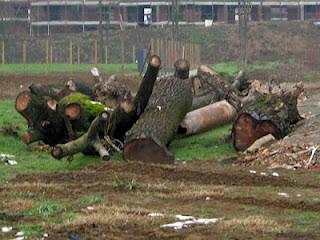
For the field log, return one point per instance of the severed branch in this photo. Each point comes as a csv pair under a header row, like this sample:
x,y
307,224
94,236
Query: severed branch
x,y
90,140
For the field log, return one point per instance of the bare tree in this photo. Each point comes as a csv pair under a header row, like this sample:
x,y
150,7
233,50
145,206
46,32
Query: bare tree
x,y
244,9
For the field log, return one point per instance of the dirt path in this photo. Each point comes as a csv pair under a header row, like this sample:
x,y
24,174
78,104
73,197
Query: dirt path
x,y
201,189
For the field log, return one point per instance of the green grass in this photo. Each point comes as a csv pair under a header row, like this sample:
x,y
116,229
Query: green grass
x,y
92,199
208,145
45,209
62,68
310,77
232,68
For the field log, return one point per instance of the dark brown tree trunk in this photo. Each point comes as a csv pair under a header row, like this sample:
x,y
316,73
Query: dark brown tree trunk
x,y
41,117
266,114
122,117
156,127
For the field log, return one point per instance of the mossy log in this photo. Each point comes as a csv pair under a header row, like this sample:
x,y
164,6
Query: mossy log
x,y
41,117
80,110
266,114
171,99
122,117
88,142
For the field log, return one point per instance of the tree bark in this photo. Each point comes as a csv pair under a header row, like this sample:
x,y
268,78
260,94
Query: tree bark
x,y
41,117
266,114
147,139
206,118
122,117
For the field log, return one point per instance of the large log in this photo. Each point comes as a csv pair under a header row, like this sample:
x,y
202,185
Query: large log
x,y
266,114
42,118
122,117
171,99
206,118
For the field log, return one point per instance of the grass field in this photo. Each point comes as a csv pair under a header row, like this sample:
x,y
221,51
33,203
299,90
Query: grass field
x,y
65,68
209,145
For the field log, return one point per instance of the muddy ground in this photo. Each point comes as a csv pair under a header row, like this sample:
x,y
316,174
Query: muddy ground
x,y
251,203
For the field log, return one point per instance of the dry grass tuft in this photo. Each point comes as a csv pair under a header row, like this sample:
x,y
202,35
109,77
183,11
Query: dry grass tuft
x,y
253,224
18,205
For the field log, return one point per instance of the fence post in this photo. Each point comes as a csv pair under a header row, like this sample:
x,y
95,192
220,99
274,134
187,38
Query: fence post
x,y
78,55
106,54
51,55
134,54
95,52
2,52
24,53
47,51
70,51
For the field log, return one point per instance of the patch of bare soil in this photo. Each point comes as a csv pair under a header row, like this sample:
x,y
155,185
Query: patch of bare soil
x,y
197,188
12,84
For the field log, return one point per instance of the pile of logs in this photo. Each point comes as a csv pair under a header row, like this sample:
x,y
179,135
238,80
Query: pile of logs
x,y
108,117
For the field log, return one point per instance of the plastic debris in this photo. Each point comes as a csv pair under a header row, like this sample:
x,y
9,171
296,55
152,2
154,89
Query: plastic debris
x,y
45,235
159,108
19,238
252,171
264,174
299,195
283,194
11,162
207,198
90,208
184,218
6,229
19,234
186,224
155,214
275,174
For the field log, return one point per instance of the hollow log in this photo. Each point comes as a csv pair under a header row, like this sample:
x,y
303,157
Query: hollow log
x,y
266,114
171,99
206,118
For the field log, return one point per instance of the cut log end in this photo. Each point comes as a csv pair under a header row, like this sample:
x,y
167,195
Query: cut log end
x,y
23,100
57,153
155,61
31,136
52,104
147,150
73,111
246,130
182,68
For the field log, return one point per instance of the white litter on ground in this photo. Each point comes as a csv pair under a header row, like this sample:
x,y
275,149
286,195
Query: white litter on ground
x,y
45,235
252,171
275,174
283,194
184,218
299,195
11,162
5,156
264,174
207,198
6,229
159,108
186,224
19,234
90,208
155,215
19,238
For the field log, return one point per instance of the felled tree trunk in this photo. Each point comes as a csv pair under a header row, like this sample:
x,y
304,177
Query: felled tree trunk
x,y
170,101
40,117
122,117
206,118
266,114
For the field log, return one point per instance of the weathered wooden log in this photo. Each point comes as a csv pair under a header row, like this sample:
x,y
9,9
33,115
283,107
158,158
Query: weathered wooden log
x,y
31,136
41,117
266,114
122,117
206,118
79,109
171,99
45,90
87,142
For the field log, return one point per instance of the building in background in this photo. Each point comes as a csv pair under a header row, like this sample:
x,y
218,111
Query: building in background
x,y
58,16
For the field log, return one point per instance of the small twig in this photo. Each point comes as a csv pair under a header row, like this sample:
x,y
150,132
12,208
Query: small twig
x,y
109,141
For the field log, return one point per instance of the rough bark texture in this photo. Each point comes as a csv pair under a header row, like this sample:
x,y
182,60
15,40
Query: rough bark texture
x,y
208,117
122,117
266,114
87,142
41,117
168,104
